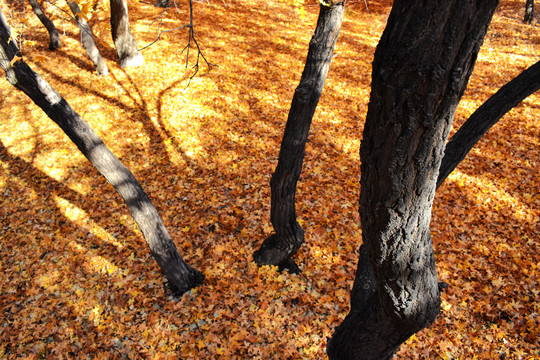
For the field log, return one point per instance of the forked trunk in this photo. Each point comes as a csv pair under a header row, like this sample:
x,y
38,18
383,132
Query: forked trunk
x,y
487,115
421,68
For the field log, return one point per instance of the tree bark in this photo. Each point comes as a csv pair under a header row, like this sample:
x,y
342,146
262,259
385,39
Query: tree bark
x,y
421,67
278,248
54,36
126,46
487,115
529,12
180,276
162,3
87,39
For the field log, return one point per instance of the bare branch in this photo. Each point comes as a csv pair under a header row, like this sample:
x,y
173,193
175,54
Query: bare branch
x,y
191,38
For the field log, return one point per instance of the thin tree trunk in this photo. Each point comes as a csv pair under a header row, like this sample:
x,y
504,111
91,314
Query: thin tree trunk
x,y
126,46
54,36
180,276
88,40
486,116
278,248
529,12
421,67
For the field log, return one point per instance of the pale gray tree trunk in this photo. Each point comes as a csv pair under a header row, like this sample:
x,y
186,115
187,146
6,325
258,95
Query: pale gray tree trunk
x,y
126,46
87,39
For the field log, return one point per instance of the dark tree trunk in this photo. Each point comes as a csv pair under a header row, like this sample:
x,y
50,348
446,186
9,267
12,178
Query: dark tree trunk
x,y
180,276
54,36
126,46
87,39
486,116
162,3
529,12
289,236
420,71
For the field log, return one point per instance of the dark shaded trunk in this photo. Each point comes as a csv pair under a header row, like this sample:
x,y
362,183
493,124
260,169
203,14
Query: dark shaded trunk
x,y
486,116
126,46
162,4
54,36
278,248
529,12
421,67
180,276
87,39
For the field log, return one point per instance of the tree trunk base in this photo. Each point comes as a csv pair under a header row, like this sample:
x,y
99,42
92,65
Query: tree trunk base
x,y
55,42
365,336
191,279
132,61
289,265
278,250
102,69
529,12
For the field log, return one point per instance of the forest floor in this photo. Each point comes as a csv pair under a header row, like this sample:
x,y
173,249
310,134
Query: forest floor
x,y
77,279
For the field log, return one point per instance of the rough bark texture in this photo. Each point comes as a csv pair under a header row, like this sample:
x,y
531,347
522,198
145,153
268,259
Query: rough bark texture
x,y
529,12
420,71
87,39
289,236
181,277
126,46
54,36
486,116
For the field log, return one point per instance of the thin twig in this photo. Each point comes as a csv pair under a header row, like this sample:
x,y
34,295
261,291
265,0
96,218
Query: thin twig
x,y
191,38
158,37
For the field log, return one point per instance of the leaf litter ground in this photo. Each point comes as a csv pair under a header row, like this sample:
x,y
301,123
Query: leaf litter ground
x,y
77,279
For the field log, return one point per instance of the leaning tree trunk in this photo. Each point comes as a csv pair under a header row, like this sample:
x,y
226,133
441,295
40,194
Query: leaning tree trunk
x,y
87,39
278,248
529,12
486,116
126,46
420,71
180,276
54,36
